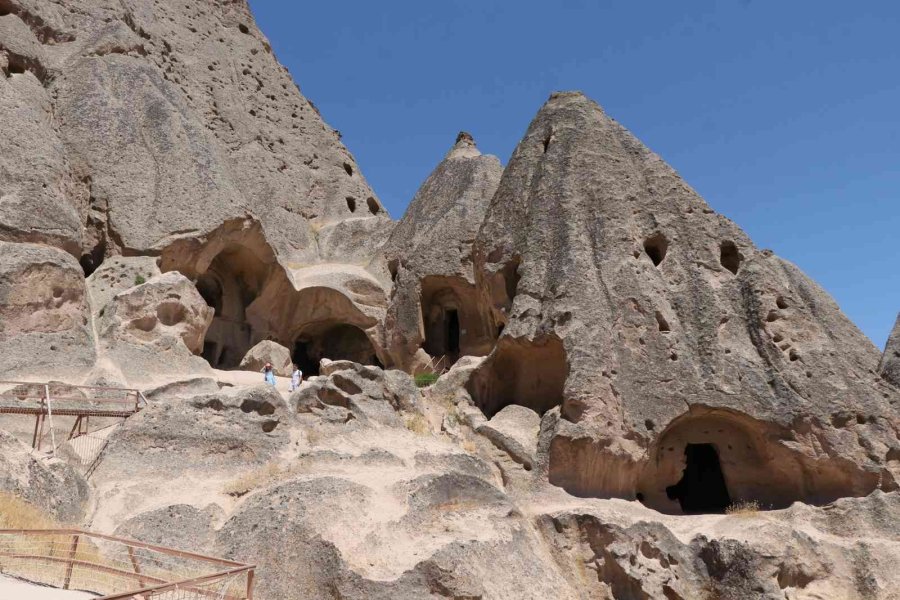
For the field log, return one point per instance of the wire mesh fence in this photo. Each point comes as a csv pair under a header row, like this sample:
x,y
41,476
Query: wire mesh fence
x,y
69,420
118,569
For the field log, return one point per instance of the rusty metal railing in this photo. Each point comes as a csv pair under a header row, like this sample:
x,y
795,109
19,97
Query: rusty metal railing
x,y
73,405
119,568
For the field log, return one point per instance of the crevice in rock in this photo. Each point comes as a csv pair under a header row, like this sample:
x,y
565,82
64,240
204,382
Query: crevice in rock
x,y
351,204
373,205
41,29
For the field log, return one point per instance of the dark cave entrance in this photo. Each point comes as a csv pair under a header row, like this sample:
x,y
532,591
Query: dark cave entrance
x,y
229,286
334,341
702,487
451,317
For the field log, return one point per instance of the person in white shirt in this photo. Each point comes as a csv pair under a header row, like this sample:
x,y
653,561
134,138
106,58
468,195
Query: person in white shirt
x,y
296,378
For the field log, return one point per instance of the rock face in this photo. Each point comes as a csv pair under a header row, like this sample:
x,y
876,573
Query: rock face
x,y
44,313
268,352
634,401
155,329
890,362
46,483
669,340
434,312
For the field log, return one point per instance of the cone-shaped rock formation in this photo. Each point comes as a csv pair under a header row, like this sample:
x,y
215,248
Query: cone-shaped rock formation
x,y
435,313
675,331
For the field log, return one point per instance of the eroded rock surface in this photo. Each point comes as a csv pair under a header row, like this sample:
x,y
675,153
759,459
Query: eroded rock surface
x,y
268,352
890,362
435,313
672,328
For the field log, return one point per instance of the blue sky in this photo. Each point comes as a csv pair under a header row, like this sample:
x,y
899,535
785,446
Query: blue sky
x,y
782,115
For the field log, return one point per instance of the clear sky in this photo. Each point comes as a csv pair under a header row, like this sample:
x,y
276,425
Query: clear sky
x,y
782,115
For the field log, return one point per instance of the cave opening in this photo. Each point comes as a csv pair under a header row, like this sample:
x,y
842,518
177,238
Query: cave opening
x,y
730,257
452,324
334,341
702,488
523,372
229,286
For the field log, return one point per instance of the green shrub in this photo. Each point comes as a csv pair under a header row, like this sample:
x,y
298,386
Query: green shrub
x,y
425,379
139,279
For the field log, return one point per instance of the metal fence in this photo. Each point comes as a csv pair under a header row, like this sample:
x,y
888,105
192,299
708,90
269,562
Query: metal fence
x,y
76,419
119,569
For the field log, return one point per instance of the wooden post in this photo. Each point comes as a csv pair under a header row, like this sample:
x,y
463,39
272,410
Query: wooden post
x,y
71,563
250,584
34,439
134,563
40,434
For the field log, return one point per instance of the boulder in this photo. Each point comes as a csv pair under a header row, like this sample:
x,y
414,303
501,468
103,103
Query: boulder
x,y
515,431
118,274
45,326
270,352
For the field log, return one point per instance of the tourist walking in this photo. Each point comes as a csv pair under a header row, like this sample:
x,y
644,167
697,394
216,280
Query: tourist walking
x,y
296,378
269,374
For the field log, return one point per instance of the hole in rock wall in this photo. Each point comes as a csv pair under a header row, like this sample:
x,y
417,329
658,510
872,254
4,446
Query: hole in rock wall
x,y
730,256
373,205
348,169
701,488
656,247
334,341
528,373
704,461
393,268
351,204
229,285
452,323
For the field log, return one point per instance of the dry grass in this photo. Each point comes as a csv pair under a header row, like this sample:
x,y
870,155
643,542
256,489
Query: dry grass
x,y
417,423
18,514
253,479
743,508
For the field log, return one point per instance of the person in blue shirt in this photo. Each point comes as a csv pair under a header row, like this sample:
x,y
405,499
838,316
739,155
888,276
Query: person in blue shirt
x,y
269,374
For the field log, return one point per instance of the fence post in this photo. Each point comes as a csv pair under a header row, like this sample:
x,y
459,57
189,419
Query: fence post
x,y
71,563
50,417
134,563
250,584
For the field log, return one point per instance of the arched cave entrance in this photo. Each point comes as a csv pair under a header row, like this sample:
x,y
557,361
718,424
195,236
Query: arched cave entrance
x,y
335,341
701,488
528,373
710,458
452,324
229,285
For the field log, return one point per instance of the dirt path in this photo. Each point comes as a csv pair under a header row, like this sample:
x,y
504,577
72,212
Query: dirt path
x,y
21,590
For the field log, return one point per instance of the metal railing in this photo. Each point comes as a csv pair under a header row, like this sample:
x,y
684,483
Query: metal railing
x,y
71,407
118,568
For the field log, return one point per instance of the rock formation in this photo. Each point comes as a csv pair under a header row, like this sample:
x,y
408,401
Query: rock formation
x,y
667,339
890,362
634,401
434,312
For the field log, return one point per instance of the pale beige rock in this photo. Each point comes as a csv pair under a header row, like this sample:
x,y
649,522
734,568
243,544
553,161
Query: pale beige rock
x,y
155,329
890,361
44,315
655,324
436,315
268,352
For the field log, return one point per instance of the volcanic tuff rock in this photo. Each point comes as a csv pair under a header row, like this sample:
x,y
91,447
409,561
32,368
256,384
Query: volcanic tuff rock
x,y
656,324
609,338
890,362
44,312
430,259
268,352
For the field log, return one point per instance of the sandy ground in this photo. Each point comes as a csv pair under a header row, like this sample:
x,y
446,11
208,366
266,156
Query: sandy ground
x,y
16,589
